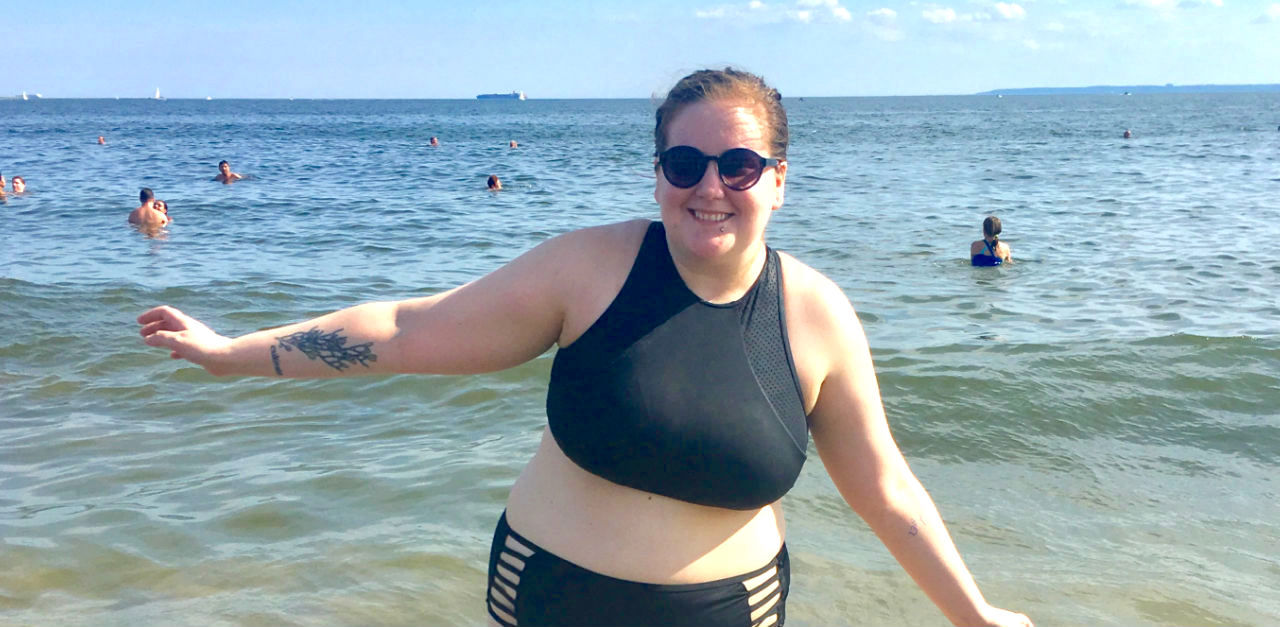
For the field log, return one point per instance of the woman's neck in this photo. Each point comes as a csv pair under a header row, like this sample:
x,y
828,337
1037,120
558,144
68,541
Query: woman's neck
x,y
722,280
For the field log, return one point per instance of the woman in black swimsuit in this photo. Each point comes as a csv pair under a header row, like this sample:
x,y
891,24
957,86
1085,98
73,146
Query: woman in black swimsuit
x,y
694,361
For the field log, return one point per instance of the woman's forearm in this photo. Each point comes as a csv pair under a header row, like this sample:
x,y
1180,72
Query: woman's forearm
x,y
353,341
913,531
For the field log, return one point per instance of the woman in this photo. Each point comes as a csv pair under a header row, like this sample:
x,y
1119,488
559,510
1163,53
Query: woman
x,y
678,401
990,251
19,185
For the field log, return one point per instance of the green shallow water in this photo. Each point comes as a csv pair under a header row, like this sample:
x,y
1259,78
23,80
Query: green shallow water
x,y
1098,422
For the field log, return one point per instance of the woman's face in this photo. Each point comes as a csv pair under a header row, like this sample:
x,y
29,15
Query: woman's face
x,y
709,220
162,207
19,185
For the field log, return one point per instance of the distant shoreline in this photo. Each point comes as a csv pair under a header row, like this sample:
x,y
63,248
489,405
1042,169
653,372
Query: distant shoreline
x,y
1135,89
1018,91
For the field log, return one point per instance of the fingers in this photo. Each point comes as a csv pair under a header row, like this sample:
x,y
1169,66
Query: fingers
x,y
160,338
151,327
163,312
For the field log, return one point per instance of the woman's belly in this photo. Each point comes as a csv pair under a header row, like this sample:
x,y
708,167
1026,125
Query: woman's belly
x,y
638,536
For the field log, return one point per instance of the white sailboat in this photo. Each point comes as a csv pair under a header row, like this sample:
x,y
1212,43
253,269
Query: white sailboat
x,y
24,95
157,96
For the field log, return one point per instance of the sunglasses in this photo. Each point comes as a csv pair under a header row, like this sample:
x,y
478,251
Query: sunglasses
x,y
740,168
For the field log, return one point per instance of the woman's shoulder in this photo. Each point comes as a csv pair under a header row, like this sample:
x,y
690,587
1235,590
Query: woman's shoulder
x,y
585,255
810,292
602,241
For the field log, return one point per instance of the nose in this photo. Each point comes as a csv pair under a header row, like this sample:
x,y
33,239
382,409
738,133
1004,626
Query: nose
x,y
710,186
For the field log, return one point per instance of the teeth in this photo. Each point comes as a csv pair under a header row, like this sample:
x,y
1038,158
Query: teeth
x,y
710,217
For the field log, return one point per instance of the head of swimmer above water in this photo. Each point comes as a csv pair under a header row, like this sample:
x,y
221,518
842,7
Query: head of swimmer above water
x,y
991,229
146,196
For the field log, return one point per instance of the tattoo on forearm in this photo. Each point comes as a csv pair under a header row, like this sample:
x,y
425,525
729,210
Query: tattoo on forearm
x,y
327,347
914,529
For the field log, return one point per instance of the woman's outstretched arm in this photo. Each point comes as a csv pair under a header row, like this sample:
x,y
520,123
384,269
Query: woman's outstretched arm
x,y
859,452
503,319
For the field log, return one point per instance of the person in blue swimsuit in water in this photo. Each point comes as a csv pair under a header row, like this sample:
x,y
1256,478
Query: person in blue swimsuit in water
x,y
693,364
990,251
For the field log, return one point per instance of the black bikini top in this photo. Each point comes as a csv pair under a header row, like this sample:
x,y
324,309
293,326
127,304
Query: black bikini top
x,y
672,395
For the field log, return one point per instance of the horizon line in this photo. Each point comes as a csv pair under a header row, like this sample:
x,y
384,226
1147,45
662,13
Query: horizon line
x,y
1171,87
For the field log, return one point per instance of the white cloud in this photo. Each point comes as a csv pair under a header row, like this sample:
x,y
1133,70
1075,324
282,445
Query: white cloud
x,y
946,15
837,11
1031,44
1271,14
885,16
804,11
1173,4
1011,11
882,24
939,15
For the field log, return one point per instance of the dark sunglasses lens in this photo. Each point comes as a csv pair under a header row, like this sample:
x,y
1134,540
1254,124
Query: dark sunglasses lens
x,y
683,166
740,168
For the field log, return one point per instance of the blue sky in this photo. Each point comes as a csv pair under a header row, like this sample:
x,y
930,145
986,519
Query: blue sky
x,y
624,49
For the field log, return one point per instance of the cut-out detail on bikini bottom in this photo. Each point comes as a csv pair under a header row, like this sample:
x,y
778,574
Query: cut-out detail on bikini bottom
x,y
529,586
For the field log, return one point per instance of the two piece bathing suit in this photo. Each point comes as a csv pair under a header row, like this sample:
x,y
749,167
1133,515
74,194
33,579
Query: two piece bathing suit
x,y
675,396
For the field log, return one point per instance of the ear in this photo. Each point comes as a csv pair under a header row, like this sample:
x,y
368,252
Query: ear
x,y
780,182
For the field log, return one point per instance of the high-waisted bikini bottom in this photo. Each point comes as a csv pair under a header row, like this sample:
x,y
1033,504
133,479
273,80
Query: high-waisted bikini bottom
x,y
530,586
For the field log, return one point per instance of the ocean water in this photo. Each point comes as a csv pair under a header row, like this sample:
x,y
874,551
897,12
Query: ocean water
x,y
1098,422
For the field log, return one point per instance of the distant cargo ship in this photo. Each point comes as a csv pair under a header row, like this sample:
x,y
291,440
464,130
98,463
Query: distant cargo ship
x,y
515,95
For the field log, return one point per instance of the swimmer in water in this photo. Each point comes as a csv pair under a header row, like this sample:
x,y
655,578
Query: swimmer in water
x,y
163,207
494,183
102,141
225,175
990,251
1128,134
19,185
514,144
147,216
434,141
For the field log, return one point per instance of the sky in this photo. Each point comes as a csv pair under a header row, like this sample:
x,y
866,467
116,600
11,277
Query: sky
x,y
624,49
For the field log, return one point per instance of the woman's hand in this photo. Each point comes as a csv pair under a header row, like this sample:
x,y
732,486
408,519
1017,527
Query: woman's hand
x,y
996,617
184,336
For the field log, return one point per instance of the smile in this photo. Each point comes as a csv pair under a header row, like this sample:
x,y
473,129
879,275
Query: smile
x,y
708,216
